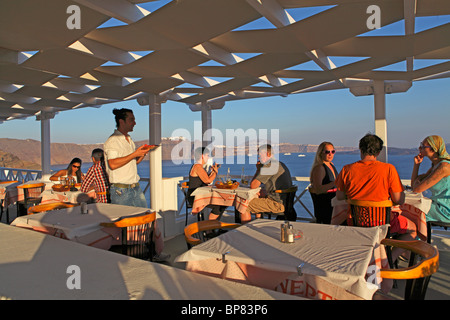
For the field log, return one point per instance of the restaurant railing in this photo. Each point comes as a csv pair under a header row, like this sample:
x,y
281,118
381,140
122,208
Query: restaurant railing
x,y
303,205
21,175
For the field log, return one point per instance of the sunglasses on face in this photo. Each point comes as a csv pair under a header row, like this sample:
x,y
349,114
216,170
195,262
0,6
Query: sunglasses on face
x,y
329,151
424,147
78,167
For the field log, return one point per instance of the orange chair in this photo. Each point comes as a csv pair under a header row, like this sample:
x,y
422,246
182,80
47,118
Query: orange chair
x,y
423,263
194,233
370,214
50,206
31,195
137,235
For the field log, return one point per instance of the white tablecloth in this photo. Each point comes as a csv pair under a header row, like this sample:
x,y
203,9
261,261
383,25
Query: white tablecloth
x,y
49,196
70,224
35,266
5,186
335,254
239,198
418,201
241,192
11,194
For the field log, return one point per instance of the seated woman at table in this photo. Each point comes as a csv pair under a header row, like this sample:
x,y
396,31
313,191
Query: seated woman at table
x,y
198,177
322,177
436,179
73,170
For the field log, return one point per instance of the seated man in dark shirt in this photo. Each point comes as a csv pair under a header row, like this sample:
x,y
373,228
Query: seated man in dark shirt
x,y
274,175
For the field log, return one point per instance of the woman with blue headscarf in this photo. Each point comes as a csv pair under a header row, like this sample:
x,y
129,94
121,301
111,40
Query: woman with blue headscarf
x,y
436,179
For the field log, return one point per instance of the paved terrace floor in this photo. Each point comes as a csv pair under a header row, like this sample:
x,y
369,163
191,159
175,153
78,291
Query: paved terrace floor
x,y
438,289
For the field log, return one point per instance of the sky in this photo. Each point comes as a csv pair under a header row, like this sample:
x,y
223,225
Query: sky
x,y
306,118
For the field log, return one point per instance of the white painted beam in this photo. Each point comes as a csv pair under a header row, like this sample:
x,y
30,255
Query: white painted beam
x,y
213,52
120,9
195,79
272,11
103,51
409,9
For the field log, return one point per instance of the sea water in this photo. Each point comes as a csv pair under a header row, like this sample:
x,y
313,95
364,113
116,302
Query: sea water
x,y
298,166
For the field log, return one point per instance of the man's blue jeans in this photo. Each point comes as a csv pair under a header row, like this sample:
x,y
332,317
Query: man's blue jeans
x,y
128,196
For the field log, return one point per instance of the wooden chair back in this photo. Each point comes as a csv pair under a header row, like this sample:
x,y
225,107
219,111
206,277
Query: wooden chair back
x,y
196,228
423,263
370,213
137,235
32,190
365,213
31,195
8,181
50,206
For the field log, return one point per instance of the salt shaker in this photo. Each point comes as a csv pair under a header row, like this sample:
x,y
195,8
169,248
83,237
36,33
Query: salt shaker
x,y
83,208
290,235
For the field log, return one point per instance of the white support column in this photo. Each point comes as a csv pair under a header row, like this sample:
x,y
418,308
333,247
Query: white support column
x,y
155,156
45,117
206,124
380,116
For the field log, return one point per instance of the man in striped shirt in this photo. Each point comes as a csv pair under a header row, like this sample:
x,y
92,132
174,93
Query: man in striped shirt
x,y
97,178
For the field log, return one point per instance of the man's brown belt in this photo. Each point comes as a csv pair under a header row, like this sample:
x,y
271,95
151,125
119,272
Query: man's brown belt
x,y
124,186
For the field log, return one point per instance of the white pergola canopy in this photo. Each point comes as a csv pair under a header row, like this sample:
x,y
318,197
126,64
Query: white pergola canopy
x,y
201,52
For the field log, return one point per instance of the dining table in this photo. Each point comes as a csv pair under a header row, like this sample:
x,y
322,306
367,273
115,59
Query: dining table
x,y
37,266
75,196
415,208
5,186
238,198
10,194
324,262
6,193
71,224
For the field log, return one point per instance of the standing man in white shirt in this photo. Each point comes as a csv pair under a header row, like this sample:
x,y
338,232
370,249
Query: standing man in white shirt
x,y
122,158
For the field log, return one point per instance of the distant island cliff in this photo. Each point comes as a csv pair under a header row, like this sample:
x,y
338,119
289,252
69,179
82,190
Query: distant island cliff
x,y
26,154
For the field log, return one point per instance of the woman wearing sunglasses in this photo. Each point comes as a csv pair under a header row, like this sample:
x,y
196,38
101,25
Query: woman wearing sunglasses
x,y
73,170
322,177
436,179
